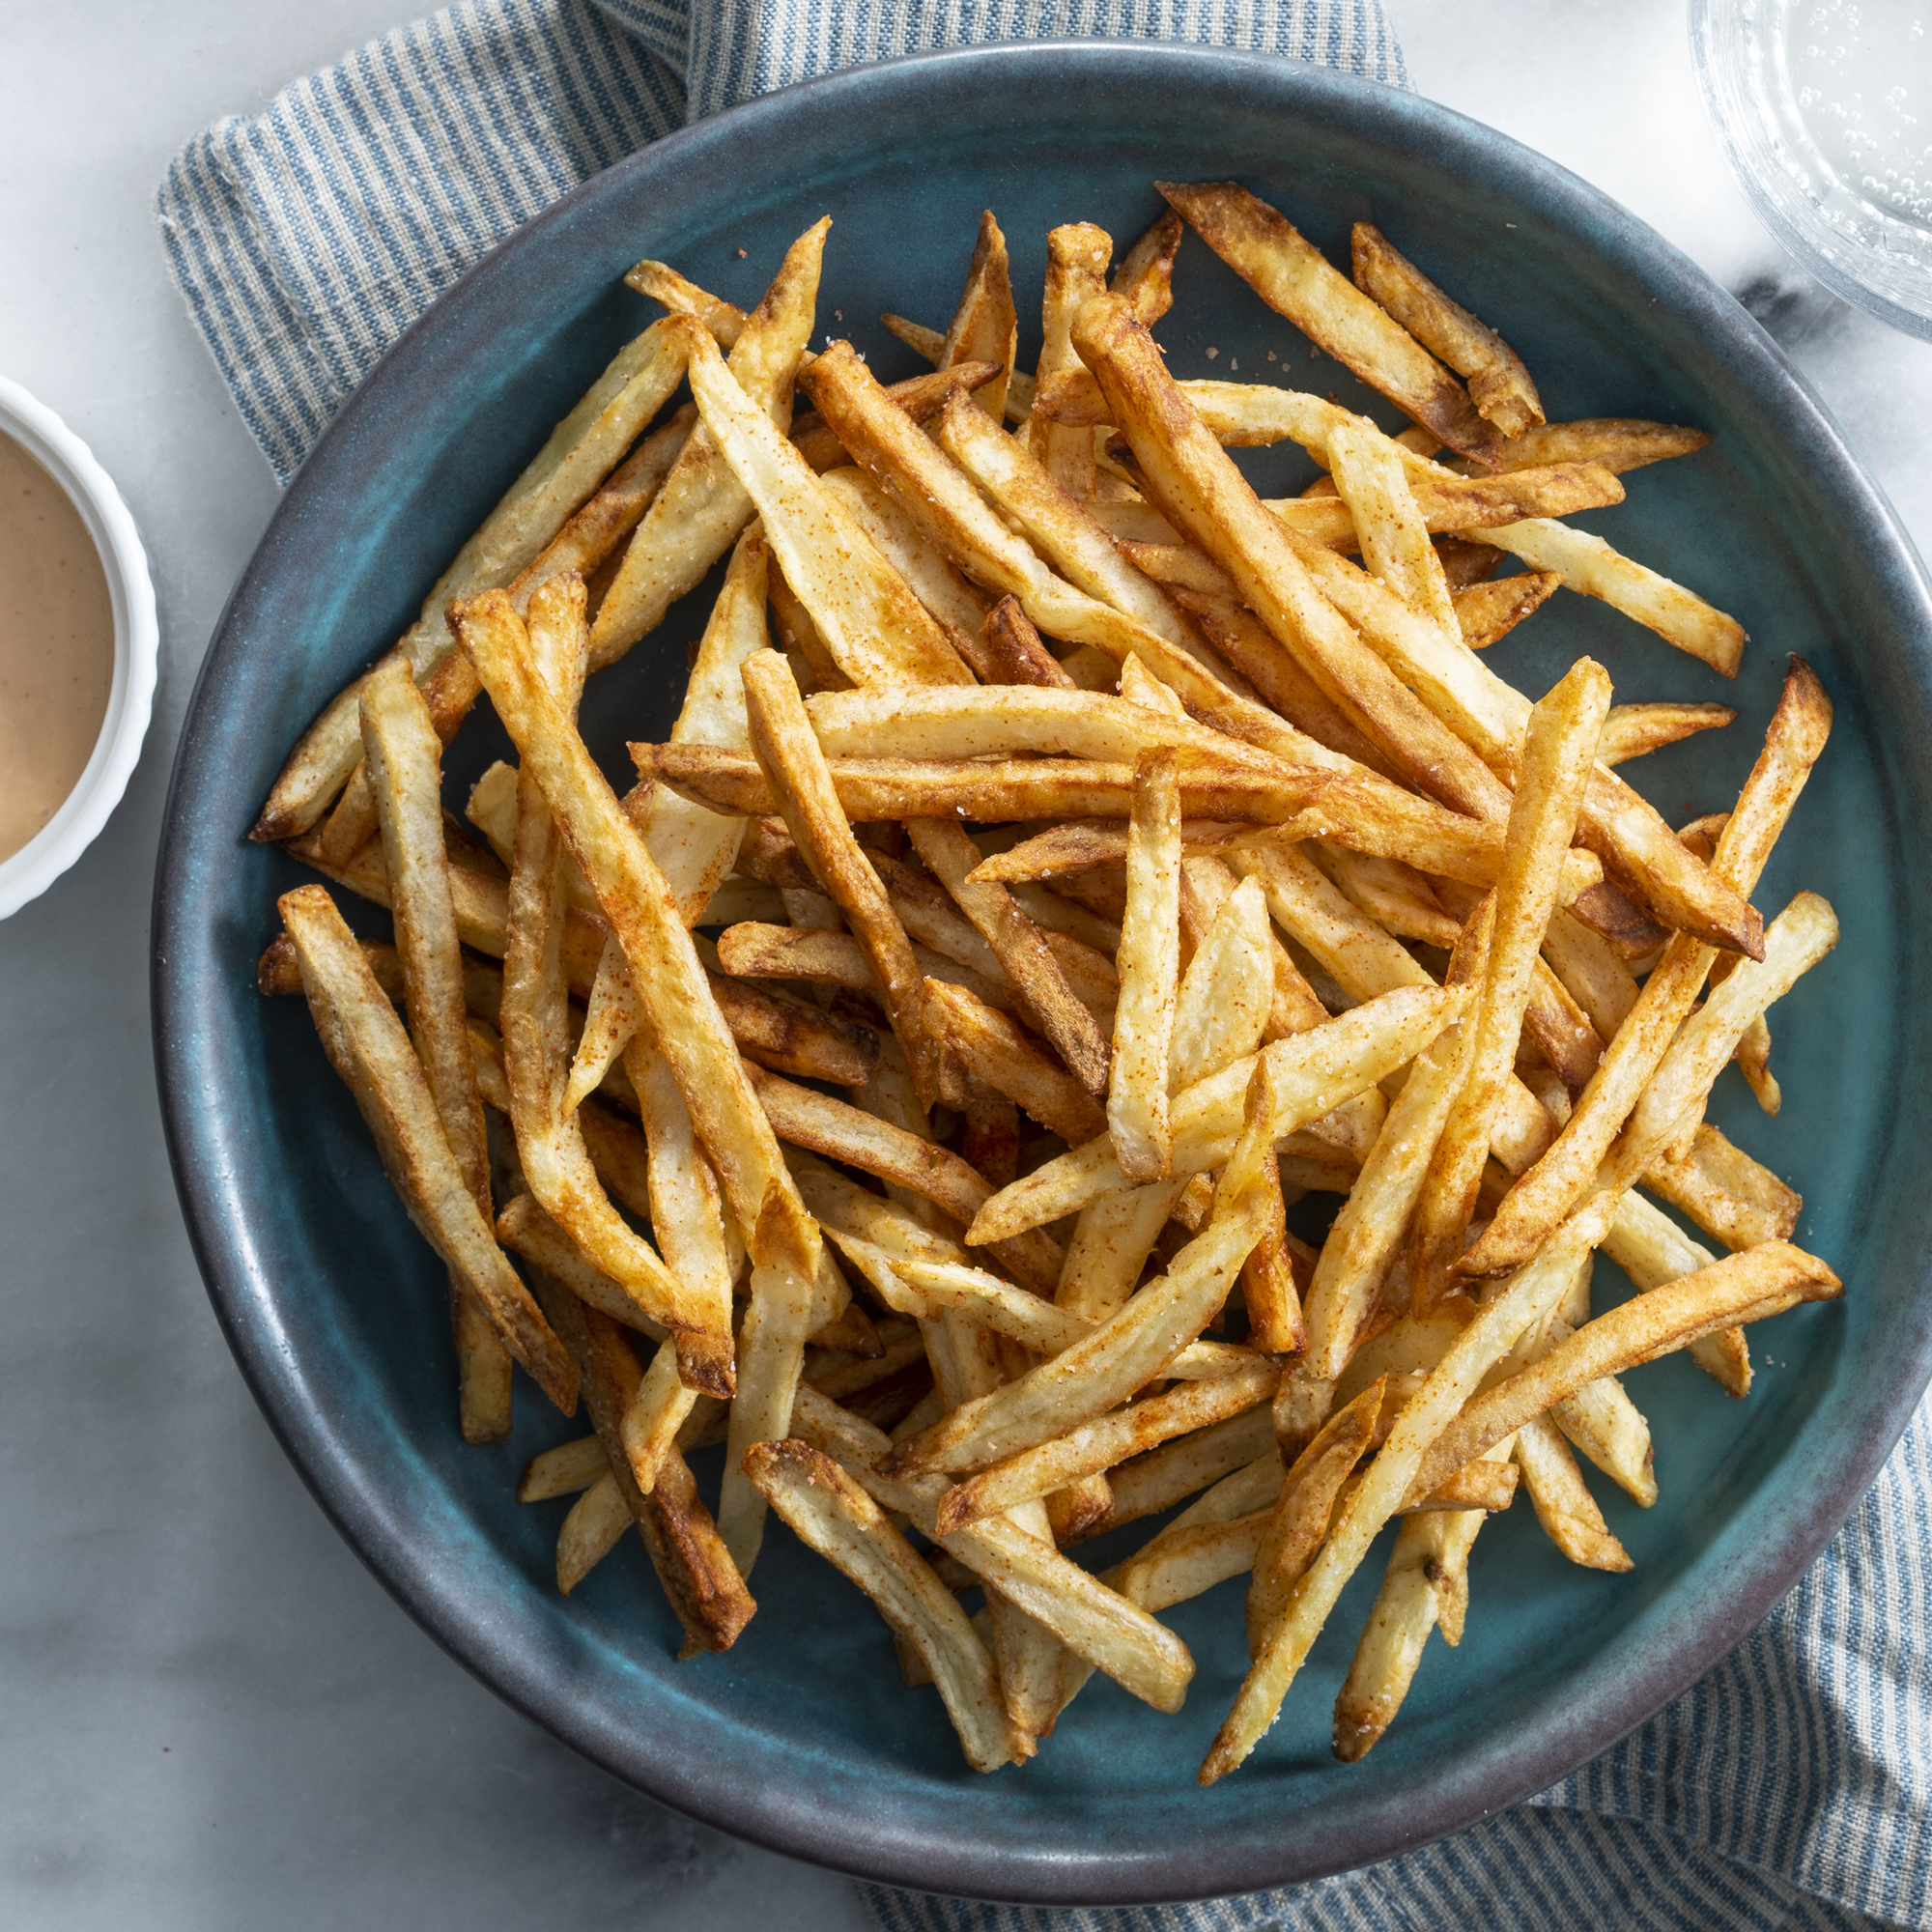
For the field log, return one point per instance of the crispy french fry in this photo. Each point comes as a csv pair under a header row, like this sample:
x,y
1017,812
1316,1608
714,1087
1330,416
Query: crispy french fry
x,y
1448,504
369,1049
702,507
403,754
836,958
985,327
1562,1500
662,283
812,435
831,1512
1793,744
593,1528
990,1046
1586,564
1137,1088
1316,1071
1633,731
1724,1192
1238,1456
1390,528
1486,613
1077,255
564,1471
1500,386
703,1585
1559,749
524,1227
579,451
1293,278
1754,1285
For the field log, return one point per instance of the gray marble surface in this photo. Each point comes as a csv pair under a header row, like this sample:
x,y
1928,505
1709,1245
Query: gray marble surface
x,y
214,1717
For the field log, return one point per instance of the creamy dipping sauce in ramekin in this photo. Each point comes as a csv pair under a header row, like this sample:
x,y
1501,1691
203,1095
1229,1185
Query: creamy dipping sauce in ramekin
x,y
56,647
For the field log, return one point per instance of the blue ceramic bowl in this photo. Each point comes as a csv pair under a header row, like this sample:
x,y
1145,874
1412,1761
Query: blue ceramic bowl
x,y
803,1737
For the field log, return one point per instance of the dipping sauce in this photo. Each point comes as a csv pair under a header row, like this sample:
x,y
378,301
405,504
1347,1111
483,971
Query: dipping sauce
x,y
56,647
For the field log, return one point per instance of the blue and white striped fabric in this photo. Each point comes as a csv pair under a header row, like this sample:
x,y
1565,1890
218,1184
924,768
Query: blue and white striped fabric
x,y
307,237
1790,1790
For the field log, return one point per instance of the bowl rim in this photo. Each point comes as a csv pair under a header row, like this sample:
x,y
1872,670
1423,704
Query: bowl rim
x,y
1487,1778
124,724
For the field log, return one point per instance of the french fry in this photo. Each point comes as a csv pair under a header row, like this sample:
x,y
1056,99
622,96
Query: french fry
x,y
1633,730
788,755
1652,1249
1316,1073
702,507
1197,487
1083,845
549,1143
919,397
985,327
403,757
1562,1500
564,1471
1077,255
1093,1621
1724,1192
1238,1456
1793,744
1586,564
1447,504
1390,528
930,343
1137,1088
1559,748
1146,274
873,626
1011,651
703,1585
593,1528
656,1413
1526,1298
1022,951
1486,613
579,451
524,1227
1753,1286
991,1047
1105,1442
368,1048
681,295
1294,278
836,959
1500,386
831,1512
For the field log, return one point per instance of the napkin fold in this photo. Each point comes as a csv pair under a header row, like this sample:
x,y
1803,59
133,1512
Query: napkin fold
x,y
1790,1790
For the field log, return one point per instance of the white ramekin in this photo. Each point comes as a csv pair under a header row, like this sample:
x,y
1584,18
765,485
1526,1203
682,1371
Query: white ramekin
x,y
72,830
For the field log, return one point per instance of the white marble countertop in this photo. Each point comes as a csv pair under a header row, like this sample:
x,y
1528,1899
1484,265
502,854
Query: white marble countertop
x,y
215,1716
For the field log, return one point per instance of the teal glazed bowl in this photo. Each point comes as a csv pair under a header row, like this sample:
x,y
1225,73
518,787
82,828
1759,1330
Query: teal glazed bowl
x,y
801,1737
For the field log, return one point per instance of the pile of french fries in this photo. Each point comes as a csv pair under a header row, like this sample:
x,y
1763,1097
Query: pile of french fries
x,y
1064,865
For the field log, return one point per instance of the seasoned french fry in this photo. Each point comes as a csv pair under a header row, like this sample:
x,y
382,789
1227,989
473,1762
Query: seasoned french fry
x,y
1137,1088
1724,1192
990,1046
813,436
1486,613
1500,386
1448,504
1294,278
985,327
402,754
678,293
836,959
1077,255
1586,564
1562,1500
1541,1195
370,1051
829,1511
564,1471
579,451
702,507
1389,525
593,1528
1632,730
1559,749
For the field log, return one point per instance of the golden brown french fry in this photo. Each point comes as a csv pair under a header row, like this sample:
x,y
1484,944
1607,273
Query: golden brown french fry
x,y
1222,1009
1196,485
656,1413
1077,255
1500,386
985,326
1083,845
562,1471
788,754
1486,613
526,1230
918,397
1632,730
403,756
368,1048
1793,743
1294,278
753,951
703,1585
1726,1193
678,293
1137,1088
1448,504
1013,652
1146,274
990,1046
1562,1500
1020,948
1586,564
1559,749
1317,1071
1753,1286
1527,1297
1101,1444
873,625
593,1528
702,507
549,1143
1231,1456
831,1512
1093,1621
578,453
1390,529
1652,1249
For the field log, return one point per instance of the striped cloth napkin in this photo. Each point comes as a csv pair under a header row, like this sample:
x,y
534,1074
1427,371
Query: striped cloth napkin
x,y
1790,1790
